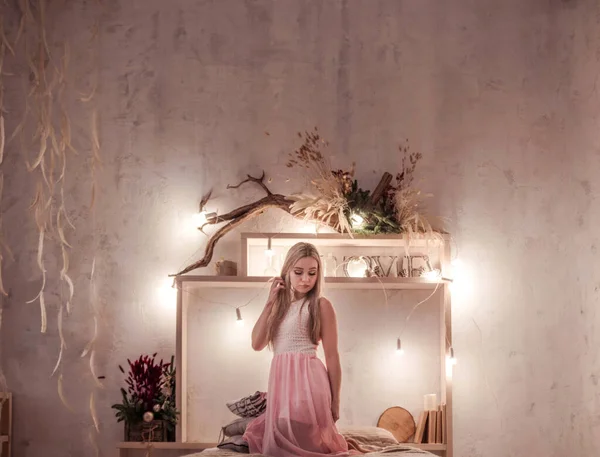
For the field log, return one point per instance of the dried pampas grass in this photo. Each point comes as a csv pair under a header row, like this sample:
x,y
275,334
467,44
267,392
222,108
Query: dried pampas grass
x,y
408,201
410,215
329,206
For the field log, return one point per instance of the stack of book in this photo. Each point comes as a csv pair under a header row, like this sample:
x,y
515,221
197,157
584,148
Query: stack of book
x,y
431,426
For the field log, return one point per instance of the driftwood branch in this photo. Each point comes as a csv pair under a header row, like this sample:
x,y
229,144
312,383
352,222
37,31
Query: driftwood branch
x,y
385,181
237,217
259,181
205,199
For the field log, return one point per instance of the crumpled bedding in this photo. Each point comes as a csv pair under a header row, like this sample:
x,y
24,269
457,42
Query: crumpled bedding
x,y
396,450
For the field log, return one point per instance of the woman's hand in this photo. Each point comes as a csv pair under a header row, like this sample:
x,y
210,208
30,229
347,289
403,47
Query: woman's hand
x,y
277,286
335,410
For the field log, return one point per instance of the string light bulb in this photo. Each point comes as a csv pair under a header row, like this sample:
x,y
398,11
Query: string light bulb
x,y
202,218
399,349
432,275
167,292
356,220
451,358
239,319
269,252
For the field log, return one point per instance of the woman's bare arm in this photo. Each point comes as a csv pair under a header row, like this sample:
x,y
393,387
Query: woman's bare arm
x,y
329,337
260,330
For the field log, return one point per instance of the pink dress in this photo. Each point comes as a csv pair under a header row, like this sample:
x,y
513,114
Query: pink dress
x,y
298,420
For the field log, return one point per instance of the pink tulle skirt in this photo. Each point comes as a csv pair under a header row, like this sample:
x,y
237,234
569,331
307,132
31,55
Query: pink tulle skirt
x,y
298,420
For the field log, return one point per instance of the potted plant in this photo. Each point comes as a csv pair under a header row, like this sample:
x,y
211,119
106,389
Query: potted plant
x,y
148,404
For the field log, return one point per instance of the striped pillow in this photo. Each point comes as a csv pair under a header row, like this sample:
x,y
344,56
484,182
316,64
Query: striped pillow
x,y
251,406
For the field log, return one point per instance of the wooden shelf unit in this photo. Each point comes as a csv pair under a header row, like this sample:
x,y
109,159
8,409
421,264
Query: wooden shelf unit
x,y
204,281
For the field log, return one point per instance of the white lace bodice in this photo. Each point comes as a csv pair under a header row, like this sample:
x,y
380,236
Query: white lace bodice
x,y
293,333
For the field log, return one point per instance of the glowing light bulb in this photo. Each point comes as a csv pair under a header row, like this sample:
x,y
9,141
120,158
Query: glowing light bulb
x,y
399,350
451,359
356,267
199,218
269,252
167,293
202,218
463,281
432,275
356,220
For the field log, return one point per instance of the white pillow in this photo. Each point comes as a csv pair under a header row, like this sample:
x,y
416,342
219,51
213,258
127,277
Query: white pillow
x,y
374,436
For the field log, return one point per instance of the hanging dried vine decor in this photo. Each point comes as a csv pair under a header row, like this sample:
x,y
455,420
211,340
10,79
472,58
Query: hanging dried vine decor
x,y
334,200
44,133
47,150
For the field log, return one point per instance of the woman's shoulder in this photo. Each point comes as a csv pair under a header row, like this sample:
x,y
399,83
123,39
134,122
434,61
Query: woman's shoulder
x,y
325,304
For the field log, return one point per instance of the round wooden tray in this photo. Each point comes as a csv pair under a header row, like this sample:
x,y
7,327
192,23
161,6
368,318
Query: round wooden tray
x,y
399,422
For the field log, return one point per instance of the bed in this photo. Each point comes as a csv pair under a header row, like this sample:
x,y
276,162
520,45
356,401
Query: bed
x,y
390,451
373,441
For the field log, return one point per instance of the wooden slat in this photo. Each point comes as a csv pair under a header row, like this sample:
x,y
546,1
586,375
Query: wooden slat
x,y
164,445
341,239
332,283
449,374
429,446
181,424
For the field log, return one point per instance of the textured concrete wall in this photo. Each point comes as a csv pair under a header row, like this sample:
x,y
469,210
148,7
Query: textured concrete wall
x,y
500,97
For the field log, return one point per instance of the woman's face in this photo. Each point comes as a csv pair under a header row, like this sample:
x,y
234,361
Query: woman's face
x,y
303,276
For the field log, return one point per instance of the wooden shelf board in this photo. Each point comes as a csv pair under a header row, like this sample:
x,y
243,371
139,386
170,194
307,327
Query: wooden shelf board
x,y
428,446
164,445
256,239
333,283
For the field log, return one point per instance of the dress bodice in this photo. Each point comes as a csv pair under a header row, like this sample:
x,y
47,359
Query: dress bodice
x,y
293,334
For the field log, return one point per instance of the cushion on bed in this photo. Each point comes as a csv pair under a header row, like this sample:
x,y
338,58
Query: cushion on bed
x,y
237,427
235,443
373,436
251,406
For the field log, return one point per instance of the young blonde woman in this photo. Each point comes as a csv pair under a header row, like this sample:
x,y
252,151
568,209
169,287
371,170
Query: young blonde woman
x,y
303,397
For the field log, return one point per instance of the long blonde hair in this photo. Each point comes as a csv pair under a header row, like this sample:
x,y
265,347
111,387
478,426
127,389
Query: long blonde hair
x,y
284,298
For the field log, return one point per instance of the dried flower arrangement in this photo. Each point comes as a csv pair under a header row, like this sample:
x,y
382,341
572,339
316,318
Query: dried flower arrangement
x,y
150,394
335,199
340,202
